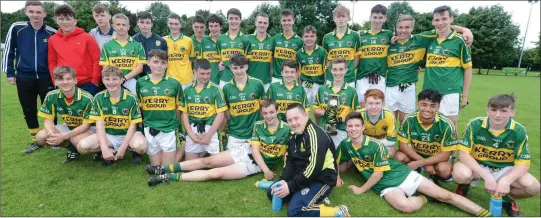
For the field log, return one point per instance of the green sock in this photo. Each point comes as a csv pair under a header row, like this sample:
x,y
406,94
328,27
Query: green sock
x,y
172,168
483,213
507,199
175,177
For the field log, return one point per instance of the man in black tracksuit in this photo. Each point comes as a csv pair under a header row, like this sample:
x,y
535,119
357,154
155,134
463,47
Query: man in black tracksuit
x,y
25,62
309,174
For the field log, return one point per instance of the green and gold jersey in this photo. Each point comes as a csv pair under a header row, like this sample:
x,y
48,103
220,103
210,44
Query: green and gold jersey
x,y
227,47
284,49
203,105
285,96
507,147
404,58
272,144
347,46
160,101
181,53
196,47
445,63
431,140
243,104
374,47
209,51
348,101
312,64
259,55
73,114
384,128
118,116
372,156
125,56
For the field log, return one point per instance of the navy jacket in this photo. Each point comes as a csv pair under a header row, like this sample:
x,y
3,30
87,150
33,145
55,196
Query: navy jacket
x,y
25,52
152,42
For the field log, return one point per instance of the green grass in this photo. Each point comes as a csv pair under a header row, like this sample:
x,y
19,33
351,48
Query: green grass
x,y
39,185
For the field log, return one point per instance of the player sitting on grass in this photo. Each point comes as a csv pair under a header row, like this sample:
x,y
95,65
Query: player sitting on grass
x,y
268,142
73,105
495,149
381,121
117,114
394,181
203,107
288,90
160,96
427,138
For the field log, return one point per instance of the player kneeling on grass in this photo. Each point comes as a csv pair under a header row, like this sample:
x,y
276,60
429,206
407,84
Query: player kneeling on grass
x,y
73,105
495,149
427,138
288,90
203,107
117,114
394,181
160,97
381,121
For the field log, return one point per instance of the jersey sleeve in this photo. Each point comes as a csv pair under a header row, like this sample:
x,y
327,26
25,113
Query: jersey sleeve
x,y
355,106
261,92
305,103
381,159
47,110
391,128
142,56
254,140
104,59
357,44
86,112
318,103
448,141
465,56
135,113
467,141
180,97
403,133
268,95
425,38
522,155
220,104
342,155
95,111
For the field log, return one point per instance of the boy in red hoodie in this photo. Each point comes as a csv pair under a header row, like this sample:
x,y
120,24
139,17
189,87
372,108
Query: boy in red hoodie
x,y
73,47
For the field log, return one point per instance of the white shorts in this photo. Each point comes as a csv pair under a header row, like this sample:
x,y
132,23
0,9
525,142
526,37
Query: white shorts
x,y
212,148
408,186
240,150
401,101
116,140
311,92
130,85
339,137
496,174
63,128
450,104
166,142
362,85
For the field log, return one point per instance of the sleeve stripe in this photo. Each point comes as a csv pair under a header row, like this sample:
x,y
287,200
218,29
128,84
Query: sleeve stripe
x,y
313,152
7,45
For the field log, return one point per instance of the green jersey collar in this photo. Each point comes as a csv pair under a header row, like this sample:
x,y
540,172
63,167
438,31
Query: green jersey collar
x,y
344,86
348,31
510,124
123,94
316,47
436,118
77,94
283,83
381,115
207,84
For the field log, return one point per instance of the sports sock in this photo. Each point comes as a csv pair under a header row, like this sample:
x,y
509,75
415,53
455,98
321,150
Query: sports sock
x,y
483,213
175,177
424,198
33,133
172,168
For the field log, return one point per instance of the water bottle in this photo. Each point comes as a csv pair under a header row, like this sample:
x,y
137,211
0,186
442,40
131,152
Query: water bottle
x,y
495,206
263,184
276,201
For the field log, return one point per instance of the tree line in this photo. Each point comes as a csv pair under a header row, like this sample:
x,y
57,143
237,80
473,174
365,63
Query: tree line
x,y
497,43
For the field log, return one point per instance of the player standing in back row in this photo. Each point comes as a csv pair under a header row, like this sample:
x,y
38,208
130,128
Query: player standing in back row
x,y
286,44
230,43
180,51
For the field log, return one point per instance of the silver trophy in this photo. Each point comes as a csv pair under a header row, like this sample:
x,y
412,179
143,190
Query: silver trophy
x,y
332,108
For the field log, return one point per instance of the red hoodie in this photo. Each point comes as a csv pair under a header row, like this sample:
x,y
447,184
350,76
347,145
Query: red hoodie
x,y
78,50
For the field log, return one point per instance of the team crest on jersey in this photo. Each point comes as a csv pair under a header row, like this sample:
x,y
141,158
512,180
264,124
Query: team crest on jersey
x,y
367,158
511,144
206,99
125,111
182,49
294,46
385,128
158,43
167,91
446,52
45,40
343,98
384,40
252,95
349,43
132,52
305,191
437,137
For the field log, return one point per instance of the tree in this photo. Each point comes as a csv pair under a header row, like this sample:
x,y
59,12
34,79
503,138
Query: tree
x,y
317,13
423,22
16,16
395,10
159,12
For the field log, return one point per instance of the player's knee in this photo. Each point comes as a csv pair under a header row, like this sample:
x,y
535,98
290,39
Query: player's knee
x,y
445,196
461,175
41,137
207,161
399,156
532,187
444,170
139,146
405,207
84,145
212,175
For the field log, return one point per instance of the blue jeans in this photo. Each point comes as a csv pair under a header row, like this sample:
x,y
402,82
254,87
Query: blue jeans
x,y
89,87
305,202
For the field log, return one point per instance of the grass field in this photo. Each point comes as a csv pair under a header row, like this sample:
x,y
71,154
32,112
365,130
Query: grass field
x,y
40,185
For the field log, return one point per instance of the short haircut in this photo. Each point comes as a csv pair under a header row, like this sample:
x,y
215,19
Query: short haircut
x,y
502,101
234,11
431,95
379,9
201,64
297,106
198,19
374,93
238,60
34,3
111,71
289,63
338,60
158,53
60,71
405,17
64,10
340,9
354,115
144,15
213,18
269,102
100,8
121,16
309,29
174,16
262,14
442,9
287,12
